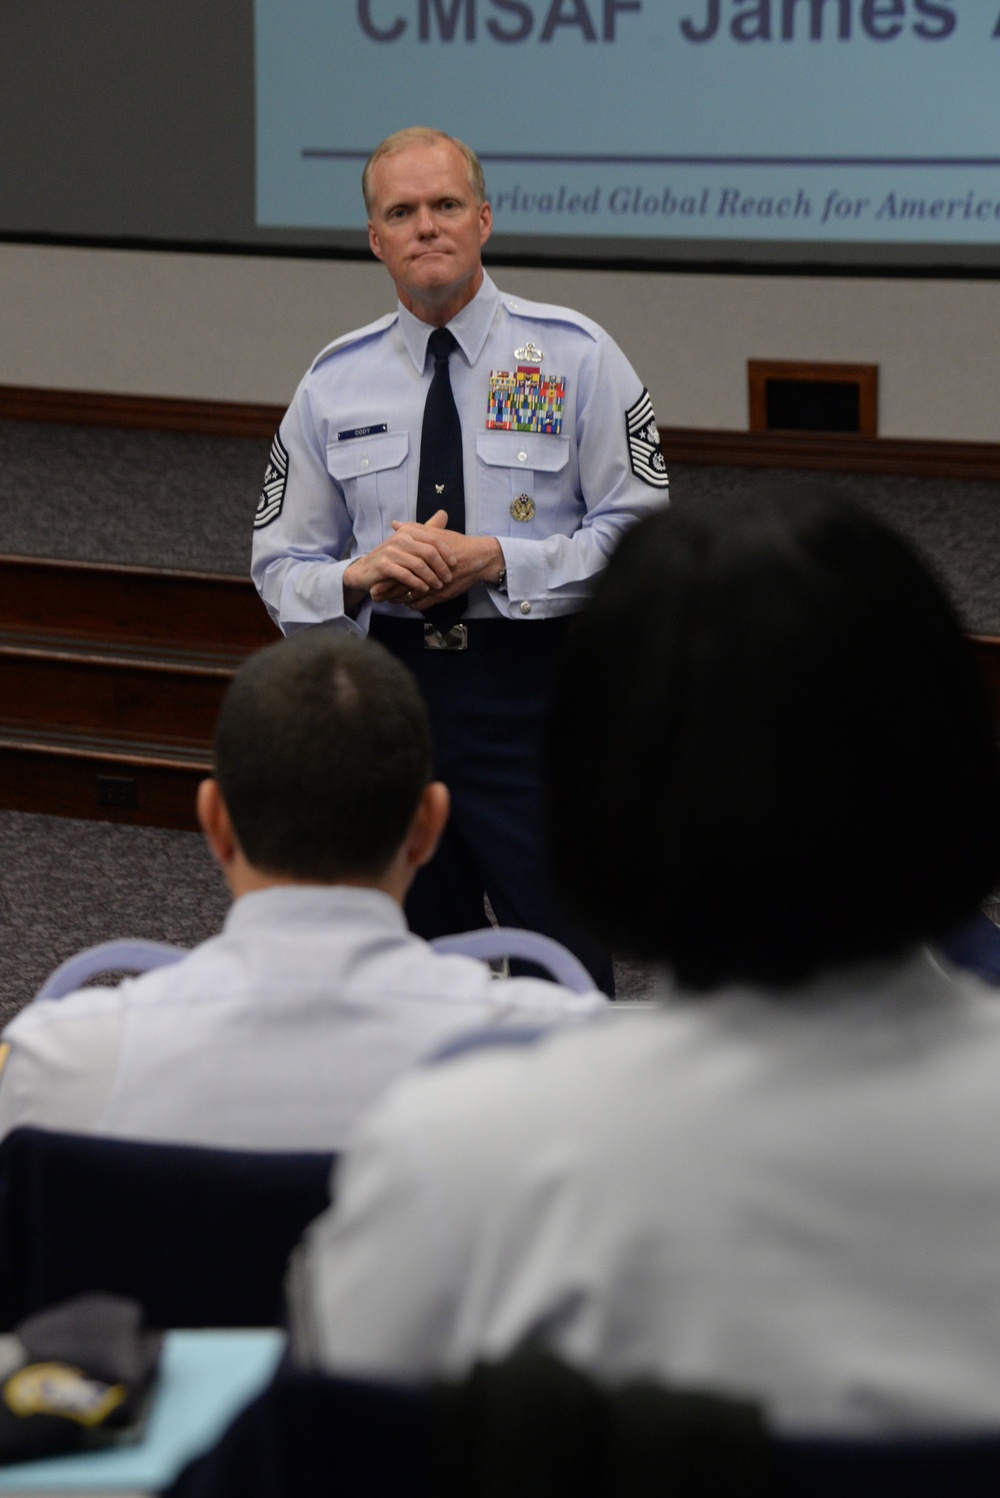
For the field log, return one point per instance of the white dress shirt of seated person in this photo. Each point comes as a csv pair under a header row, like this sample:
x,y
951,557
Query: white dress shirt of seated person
x,y
281,1030
784,1181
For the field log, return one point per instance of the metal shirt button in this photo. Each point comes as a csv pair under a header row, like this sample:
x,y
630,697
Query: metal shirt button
x,y
522,456
364,462
525,607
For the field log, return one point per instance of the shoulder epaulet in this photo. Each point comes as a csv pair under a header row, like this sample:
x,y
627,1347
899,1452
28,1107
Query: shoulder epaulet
x,y
349,340
518,306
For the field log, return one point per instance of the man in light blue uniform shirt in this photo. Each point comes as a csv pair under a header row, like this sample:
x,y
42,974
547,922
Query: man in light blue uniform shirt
x,y
560,454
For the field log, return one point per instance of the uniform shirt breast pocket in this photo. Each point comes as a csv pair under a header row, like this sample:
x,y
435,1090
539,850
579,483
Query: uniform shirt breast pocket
x,y
372,471
521,478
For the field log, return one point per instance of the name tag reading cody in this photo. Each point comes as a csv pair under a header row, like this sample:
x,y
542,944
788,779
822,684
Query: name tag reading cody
x,y
363,432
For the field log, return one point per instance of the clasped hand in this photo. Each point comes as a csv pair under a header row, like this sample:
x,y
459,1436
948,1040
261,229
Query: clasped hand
x,y
421,564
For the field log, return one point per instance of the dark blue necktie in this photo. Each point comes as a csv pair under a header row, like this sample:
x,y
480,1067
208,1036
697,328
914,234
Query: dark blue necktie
x,y
441,480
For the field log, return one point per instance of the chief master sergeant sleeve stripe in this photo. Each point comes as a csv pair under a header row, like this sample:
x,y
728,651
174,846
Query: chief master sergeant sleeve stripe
x,y
272,496
644,453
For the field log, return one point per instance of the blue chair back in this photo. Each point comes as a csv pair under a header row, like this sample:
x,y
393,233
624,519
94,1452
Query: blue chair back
x,y
495,942
136,955
131,955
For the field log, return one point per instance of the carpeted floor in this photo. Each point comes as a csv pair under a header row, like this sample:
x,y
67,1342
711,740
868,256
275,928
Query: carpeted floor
x,y
954,523
67,884
149,499
169,500
162,499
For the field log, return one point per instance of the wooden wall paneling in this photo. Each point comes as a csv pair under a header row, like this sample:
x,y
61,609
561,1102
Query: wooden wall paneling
x,y
987,648
152,413
152,701
115,673
132,605
835,452
110,684
842,452
63,780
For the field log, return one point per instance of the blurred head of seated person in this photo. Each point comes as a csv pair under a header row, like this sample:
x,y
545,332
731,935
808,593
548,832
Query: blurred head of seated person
x,y
276,1033
783,1180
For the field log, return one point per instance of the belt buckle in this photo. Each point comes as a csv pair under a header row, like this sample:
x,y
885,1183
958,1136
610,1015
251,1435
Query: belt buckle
x,y
456,638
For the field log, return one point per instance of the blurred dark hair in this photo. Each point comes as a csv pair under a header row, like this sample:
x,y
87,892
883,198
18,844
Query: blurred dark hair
x,y
770,750
322,750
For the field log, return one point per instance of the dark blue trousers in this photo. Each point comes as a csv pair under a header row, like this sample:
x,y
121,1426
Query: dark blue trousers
x,y
487,709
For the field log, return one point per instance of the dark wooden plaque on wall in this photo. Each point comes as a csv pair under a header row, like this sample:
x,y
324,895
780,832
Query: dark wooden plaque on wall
x,y
789,395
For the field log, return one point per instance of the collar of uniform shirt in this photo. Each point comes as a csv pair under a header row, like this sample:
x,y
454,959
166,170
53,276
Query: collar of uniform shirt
x,y
471,327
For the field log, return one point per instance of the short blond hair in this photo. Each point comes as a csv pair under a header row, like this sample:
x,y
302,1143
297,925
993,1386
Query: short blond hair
x,y
421,135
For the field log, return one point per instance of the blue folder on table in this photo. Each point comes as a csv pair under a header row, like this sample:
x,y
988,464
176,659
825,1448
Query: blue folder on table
x,y
205,1378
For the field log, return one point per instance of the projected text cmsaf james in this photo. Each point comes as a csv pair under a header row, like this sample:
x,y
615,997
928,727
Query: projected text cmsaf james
x,y
741,21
